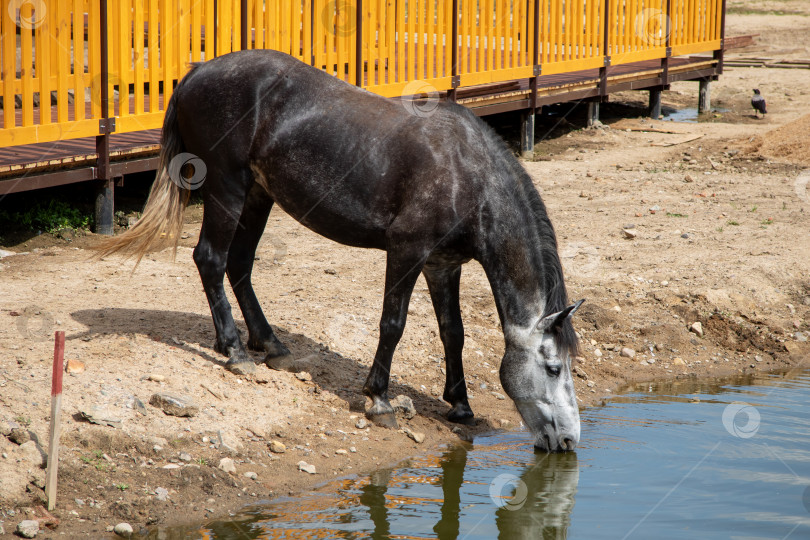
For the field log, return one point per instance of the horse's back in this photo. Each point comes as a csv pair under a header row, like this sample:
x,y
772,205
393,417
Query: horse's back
x,y
343,161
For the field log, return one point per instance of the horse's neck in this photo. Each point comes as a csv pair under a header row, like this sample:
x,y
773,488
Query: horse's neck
x,y
514,269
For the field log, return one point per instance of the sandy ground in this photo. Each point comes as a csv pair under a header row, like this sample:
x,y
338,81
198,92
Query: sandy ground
x,y
719,230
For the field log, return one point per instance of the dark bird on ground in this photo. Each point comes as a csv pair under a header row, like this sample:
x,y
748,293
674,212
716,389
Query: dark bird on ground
x,y
758,103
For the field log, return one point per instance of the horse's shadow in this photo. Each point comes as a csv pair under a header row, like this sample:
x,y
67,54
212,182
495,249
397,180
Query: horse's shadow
x,y
195,334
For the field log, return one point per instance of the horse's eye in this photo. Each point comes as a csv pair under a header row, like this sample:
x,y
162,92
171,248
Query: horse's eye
x,y
553,369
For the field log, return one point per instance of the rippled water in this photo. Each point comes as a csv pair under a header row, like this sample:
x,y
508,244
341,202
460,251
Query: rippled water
x,y
716,459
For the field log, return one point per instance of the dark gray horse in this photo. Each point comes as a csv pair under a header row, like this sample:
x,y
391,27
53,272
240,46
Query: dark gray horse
x,y
432,190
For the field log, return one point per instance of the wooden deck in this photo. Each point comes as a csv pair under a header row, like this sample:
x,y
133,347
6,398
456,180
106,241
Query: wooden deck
x,y
41,165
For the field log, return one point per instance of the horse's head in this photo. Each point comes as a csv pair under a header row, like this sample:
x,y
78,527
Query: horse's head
x,y
536,374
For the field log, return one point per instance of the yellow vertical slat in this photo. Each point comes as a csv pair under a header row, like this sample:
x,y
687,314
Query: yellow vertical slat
x,y
94,56
122,36
210,24
26,65
418,51
351,43
167,50
196,34
63,59
341,39
515,19
443,42
579,27
154,74
690,22
501,41
391,36
284,27
542,31
399,45
79,102
431,70
558,31
137,39
412,15
9,44
307,31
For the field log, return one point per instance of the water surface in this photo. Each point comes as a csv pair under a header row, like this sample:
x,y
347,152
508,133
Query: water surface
x,y
718,459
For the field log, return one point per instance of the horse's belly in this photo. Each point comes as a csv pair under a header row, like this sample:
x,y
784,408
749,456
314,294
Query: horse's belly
x,y
344,221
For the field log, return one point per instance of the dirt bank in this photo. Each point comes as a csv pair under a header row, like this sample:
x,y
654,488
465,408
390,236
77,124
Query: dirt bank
x,y
716,234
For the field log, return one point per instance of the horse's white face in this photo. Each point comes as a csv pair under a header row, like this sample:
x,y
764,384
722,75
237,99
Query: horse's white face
x,y
536,374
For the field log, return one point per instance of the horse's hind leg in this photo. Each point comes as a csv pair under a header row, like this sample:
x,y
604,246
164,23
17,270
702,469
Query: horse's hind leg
x,y
241,255
224,198
443,283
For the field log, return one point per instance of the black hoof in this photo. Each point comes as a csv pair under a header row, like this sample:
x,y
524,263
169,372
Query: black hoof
x,y
241,368
388,419
461,414
282,363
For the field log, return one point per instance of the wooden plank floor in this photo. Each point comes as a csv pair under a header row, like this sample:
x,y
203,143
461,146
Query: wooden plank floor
x,y
60,156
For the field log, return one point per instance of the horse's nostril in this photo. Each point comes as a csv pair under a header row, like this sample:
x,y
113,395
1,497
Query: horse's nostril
x,y
568,443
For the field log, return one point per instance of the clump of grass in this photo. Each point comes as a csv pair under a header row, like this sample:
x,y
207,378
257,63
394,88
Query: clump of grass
x,y
732,222
672,214
50,216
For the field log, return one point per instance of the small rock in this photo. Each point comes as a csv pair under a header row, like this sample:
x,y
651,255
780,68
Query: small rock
x,y
252,475
627,352
580,372
685,235
227,465
28,528
277,447
352,449
758,358
157,449
678,361
154,377
630,233
230,443
697,329
171,466
306,467
161,493
404,405
258,431
74,367
504,423
303,376
174,405
341,452
185,457
29,452
498,395
688,179
123,529
19,435
800,336
590,384
415,435
97,414
655,209
597,353
361,423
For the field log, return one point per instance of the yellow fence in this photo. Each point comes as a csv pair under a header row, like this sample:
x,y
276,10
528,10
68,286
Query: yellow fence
x,y
391,47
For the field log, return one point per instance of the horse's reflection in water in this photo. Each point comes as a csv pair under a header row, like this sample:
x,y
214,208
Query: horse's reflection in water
x,y
538,507
550,494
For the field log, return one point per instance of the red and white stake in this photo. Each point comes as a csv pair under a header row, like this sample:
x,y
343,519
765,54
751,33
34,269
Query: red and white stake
x,y
56,417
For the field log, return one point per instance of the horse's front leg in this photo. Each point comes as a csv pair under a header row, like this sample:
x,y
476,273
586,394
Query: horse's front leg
x,y
443,283
401,271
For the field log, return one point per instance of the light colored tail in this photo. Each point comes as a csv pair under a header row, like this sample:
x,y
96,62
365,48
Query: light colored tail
x,y
162,219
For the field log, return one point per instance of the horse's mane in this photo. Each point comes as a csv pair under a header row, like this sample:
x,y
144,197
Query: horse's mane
x,y
547,256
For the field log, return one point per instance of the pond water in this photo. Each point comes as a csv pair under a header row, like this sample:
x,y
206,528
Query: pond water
x,y
690,115
703,459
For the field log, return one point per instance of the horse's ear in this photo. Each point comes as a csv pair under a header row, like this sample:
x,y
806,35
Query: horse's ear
x,y
556,319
